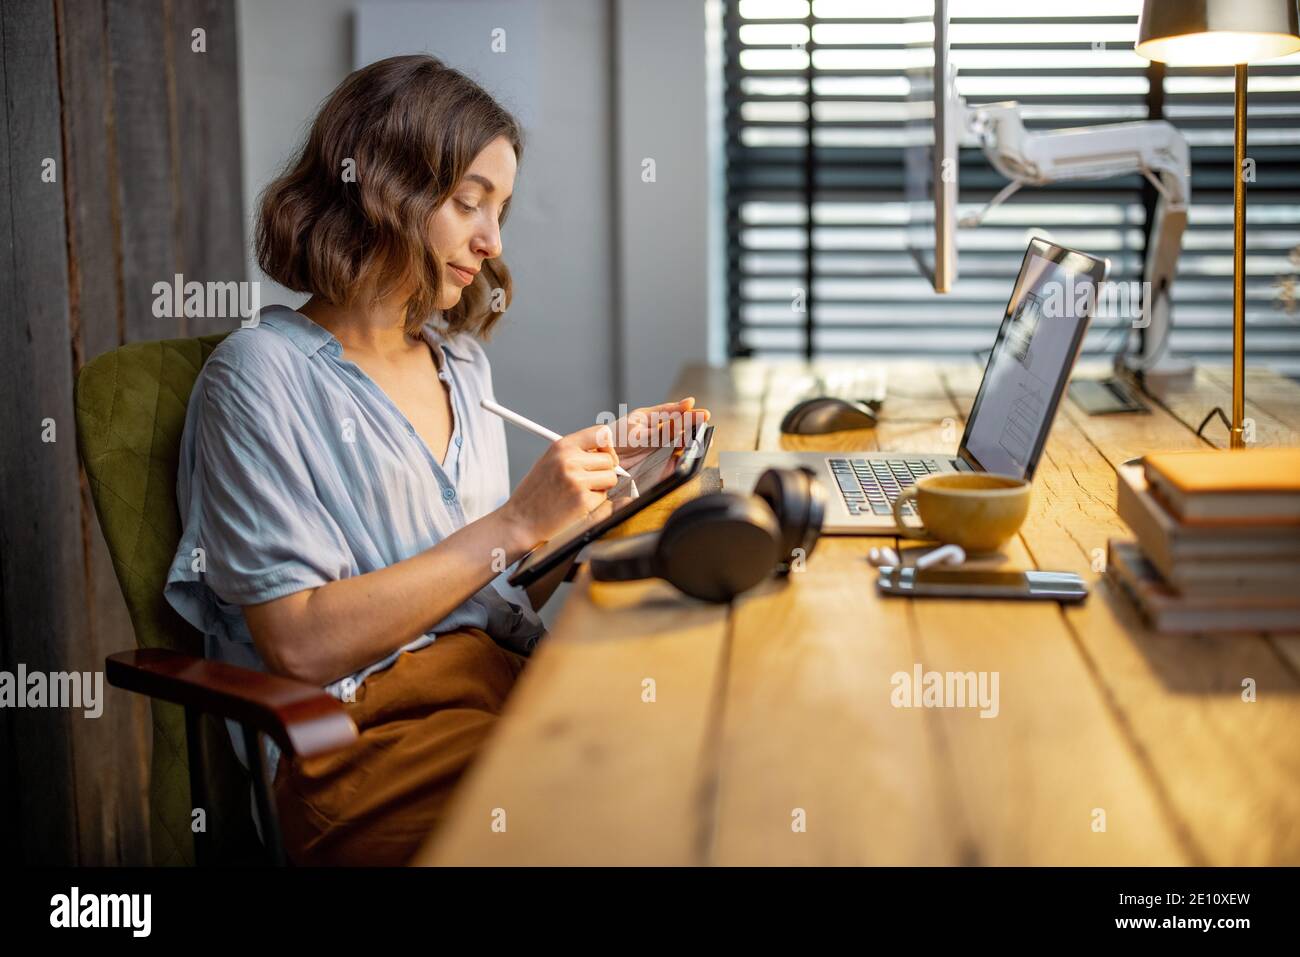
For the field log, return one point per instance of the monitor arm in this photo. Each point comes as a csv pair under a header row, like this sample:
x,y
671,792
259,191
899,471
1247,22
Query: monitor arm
x,y
1154,148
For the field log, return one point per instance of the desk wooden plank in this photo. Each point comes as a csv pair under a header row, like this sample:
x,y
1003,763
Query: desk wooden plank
x,y
1033,778
1030,779
1190,407
809,736
587,771
1227,769
1266,391
1224,770
782,711
809,728
914,785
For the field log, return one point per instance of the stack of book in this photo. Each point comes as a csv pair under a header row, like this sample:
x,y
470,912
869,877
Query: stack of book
x,y
1218,540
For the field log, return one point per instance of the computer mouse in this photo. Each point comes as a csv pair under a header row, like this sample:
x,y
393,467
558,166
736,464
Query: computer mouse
x,y
818,416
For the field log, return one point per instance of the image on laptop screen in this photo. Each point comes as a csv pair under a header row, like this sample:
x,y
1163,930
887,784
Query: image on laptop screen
x,y
1053,300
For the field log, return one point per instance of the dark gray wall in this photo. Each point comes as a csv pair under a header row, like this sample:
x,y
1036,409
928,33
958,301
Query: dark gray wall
x,y
145,135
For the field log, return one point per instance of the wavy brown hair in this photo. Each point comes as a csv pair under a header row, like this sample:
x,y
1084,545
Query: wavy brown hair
x,y
412,126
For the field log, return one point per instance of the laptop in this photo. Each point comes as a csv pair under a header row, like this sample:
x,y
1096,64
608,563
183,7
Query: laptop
x,y
1052,302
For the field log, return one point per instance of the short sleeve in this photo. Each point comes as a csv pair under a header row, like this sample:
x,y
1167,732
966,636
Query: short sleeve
x,y
261,525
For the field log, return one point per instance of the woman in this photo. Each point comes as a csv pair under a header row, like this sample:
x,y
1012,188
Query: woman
x,y
345,499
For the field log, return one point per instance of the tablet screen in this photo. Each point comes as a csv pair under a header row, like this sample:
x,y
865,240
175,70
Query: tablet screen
x,y
655,475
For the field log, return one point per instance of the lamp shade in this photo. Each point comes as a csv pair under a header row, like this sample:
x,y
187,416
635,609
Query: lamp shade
x,y
1217,32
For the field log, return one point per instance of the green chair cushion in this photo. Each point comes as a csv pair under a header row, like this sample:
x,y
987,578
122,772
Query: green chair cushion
x,y
130,410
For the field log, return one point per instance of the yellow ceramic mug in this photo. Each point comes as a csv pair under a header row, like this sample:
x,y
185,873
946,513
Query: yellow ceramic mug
x,y
976,510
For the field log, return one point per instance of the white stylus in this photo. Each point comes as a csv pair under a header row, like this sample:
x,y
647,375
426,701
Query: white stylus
x,y
524,423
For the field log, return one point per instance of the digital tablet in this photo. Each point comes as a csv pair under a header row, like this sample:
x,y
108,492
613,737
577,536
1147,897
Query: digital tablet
x,y
665,469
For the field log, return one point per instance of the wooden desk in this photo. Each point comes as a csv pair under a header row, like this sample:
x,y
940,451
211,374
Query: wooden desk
x,y
780,707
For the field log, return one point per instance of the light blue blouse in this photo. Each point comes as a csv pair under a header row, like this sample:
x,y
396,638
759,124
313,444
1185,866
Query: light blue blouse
x,y
297,470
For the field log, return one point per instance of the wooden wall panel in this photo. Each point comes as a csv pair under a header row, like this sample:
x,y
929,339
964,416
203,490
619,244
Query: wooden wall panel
x,y
112,757
207,112
139,51
146,135
42,560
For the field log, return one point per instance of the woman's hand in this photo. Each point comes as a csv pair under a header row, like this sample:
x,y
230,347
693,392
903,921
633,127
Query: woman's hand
x,y
571,478
643,430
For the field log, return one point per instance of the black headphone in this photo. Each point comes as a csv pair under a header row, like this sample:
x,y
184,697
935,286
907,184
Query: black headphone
x,y
718,545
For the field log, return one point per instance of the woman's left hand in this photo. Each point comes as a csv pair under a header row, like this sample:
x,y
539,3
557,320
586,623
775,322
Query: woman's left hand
x,y
643,430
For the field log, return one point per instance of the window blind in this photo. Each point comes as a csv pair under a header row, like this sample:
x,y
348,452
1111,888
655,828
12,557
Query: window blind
x,y
815,115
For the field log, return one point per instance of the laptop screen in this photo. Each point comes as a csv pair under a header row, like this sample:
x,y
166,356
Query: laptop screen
x,y
1053,300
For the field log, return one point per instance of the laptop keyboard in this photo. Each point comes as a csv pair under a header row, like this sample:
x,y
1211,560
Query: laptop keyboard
x,y
869,486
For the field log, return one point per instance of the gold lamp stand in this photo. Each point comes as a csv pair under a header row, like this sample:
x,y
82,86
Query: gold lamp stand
x,y
1225,33
1237,429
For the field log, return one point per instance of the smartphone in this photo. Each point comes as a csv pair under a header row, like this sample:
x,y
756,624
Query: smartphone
x,y
954,583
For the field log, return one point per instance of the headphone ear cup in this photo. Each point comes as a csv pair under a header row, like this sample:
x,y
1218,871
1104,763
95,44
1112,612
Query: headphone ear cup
x,y
719,545
816,511
796,499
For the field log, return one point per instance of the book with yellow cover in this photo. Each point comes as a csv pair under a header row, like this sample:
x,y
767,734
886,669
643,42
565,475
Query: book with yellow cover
x,y
1220,557
1240,486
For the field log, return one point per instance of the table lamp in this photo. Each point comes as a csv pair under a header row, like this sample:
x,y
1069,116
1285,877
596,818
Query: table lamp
x,y
1224,33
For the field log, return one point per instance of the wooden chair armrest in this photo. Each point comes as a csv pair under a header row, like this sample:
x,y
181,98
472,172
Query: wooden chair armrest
x,y
302,719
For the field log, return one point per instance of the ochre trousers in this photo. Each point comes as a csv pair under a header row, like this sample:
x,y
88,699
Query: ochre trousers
x,y
422,722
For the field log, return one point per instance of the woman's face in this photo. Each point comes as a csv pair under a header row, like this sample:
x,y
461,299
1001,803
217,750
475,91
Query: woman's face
x,y
467,228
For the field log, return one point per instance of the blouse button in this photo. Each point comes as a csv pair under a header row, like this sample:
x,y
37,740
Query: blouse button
x,y
458,441
449,495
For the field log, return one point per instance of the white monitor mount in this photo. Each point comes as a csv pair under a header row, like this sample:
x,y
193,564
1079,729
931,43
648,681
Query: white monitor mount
x,y
1154,148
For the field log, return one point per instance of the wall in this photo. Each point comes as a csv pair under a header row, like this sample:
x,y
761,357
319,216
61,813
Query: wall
x,y
610,272
612,287
663,224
